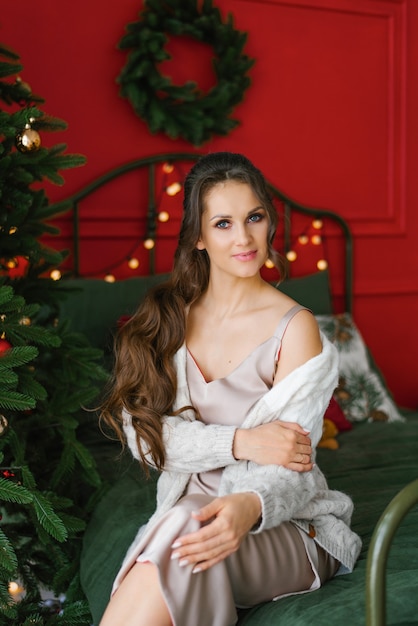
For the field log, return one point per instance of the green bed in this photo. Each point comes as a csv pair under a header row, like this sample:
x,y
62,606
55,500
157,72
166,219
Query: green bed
x,y
376,459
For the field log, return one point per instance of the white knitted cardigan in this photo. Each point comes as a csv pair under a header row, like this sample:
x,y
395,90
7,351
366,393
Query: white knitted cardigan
x,y
304,498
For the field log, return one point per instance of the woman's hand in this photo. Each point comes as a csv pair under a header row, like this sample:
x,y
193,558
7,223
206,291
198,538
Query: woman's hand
x,y
227,521
275,443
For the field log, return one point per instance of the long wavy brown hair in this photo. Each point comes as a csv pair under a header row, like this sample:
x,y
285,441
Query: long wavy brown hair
x,y
144,381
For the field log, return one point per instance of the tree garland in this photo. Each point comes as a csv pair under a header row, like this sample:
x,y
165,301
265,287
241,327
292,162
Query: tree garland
x,y
184,111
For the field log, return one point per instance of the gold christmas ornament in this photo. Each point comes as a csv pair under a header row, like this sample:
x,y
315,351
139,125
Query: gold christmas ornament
x,y
4,424
28,140
24,88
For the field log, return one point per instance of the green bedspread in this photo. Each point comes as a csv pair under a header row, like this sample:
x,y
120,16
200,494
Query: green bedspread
x,y
374,461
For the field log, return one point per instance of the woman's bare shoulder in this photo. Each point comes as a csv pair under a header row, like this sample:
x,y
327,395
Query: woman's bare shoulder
x,y
301,342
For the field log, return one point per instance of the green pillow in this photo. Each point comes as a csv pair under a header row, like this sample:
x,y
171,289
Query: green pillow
x,y
312,291
94,306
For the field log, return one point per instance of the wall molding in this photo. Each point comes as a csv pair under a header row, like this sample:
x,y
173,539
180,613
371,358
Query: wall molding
x,y
386,21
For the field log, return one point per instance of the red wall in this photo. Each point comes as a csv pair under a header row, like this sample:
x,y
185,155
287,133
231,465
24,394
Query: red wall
x,y
330,118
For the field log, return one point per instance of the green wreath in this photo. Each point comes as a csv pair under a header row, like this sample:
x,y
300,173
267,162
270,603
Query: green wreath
x,y
184,111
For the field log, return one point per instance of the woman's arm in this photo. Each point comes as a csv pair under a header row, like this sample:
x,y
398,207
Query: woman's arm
x,y
192,446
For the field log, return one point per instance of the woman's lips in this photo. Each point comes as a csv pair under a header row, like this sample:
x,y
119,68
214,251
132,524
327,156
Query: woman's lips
x,y
246,256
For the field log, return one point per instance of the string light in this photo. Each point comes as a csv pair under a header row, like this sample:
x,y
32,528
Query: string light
x,y
12,230
133,263
163,216
13,587
149,244
55,275
168,168
16,590
109,278
11,264
317,224
269,264
291,255
316,240
173,189
322,264
303,239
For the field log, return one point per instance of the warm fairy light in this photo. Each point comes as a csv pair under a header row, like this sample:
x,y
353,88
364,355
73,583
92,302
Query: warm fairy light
x,y
25,321
317,224
55,274
109,278
291,255
163,216
269,263
303,239
168,168
316,240
11,264
322,264
12,230
149,244
16,590
173,189
14,587
133,263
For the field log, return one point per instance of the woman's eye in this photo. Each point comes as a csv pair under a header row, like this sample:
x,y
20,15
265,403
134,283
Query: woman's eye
x,y
255,217
222,224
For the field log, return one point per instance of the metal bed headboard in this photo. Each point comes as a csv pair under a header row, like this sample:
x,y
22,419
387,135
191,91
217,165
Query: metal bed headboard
x,y
290,207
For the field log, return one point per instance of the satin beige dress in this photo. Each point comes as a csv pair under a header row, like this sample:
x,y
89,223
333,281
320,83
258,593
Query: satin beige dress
x,y
274,563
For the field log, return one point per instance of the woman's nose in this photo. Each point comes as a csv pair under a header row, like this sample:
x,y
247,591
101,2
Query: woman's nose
x,y
243,235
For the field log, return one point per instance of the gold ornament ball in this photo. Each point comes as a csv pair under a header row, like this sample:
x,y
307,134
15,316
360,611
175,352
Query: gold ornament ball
x,y
4,424
28,140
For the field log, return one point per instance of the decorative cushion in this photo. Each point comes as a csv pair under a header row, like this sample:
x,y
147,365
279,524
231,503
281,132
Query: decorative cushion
x,y
312,291
361,392
94,306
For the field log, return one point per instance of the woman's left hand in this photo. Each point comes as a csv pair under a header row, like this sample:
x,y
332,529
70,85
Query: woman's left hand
x,y
227,521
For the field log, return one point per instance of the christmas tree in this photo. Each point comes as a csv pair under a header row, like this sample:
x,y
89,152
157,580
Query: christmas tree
x,y
48,478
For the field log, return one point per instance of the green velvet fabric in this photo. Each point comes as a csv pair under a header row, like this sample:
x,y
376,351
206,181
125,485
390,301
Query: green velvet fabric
x,y
312,291
94,306
374,461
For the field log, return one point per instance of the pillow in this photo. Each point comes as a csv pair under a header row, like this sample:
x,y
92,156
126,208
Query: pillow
x,y
94,306
361,393
312,291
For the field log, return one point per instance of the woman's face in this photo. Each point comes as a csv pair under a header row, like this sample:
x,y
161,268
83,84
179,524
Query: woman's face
x,y
234,229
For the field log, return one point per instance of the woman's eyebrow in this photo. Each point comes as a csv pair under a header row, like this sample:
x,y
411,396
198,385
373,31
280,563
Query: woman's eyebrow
x,y
224,217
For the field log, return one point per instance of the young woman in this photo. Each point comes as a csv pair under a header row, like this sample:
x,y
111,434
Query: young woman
x,y
221,383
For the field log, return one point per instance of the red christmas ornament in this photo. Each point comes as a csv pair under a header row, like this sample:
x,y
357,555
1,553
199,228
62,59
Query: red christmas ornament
x,y
4,346
19,268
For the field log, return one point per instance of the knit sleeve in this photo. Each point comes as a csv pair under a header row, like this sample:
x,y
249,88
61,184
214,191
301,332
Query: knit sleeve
x,y
190,446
